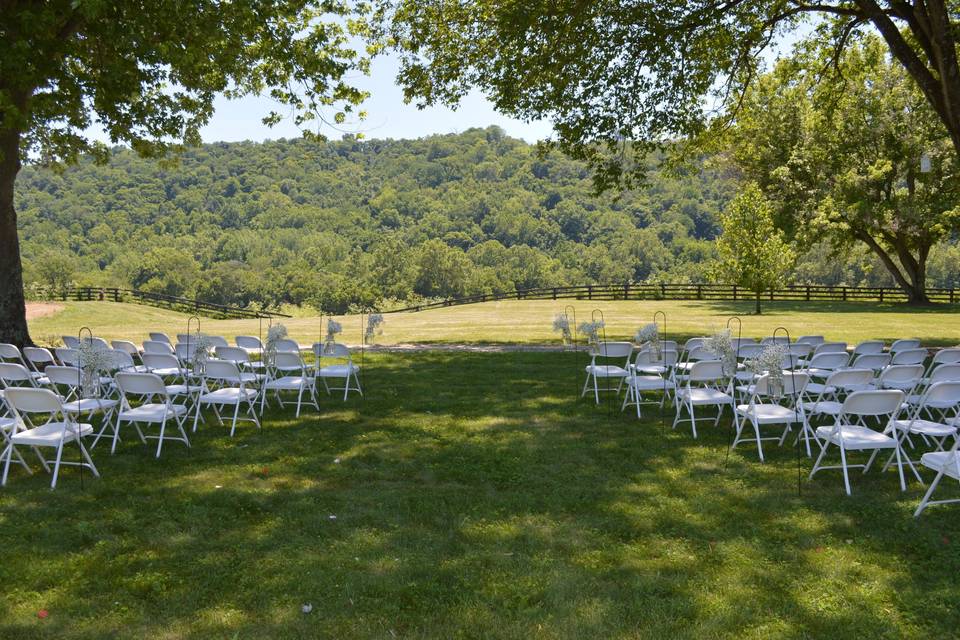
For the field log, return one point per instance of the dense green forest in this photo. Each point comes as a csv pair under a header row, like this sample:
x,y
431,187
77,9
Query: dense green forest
x,y
353,223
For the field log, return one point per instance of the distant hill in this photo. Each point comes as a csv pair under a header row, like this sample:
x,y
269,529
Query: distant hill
x,y
354,222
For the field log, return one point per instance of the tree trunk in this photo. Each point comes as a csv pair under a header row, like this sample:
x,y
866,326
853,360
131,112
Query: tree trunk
x,y
756,308
914,283
13,311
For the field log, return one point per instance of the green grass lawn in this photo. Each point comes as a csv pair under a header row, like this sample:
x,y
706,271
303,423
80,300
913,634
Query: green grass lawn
x,y
531,321
473,498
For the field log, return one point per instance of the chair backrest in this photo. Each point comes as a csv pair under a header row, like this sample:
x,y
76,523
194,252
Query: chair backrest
x,y
223,370
794,384
141,384
811,340
14,372
249,342
646,356
949,355
10,352
71,342
38,357
830,347
906,343
287,361
847,379
158,336
160,361
700,353
185,350
750,351
98,343
945,372
784,340
157,346
875,361
800,349
909,356
947,391
218,341
693,343
614,350
126,346
183,338
873,403
868,346
234,354
68,356
121,359
830,360
900,374
288,345
27,400
706,371
331,350
66,376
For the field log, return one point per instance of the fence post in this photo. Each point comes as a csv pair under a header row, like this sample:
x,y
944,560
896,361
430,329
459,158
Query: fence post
x,y
699,292
951,295
663,291
589,292
626,291
881,294
734,293
844,294
808,293
554,293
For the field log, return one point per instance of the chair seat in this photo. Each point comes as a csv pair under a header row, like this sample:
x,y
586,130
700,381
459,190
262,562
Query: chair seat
x,y
228,395
152,412
650,369
182,389
649,383
342,370
6,424
699,396
816,372
769,413
605,371
288,383
945,461
856,437
829,407
87,405
167,371
48,435
816,388
925,427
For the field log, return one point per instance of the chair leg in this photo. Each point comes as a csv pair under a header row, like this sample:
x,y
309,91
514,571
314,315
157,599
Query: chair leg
x,y
163,426
56,466
756,432
86,456
928,495
843,462
236,412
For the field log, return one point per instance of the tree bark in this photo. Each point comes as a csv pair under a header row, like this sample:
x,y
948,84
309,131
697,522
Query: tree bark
x,y
13,310
914,284
756,308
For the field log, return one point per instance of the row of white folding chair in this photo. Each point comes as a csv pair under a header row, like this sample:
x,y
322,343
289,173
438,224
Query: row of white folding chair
x,y
704,385
650,372
73,342
618,352
769,406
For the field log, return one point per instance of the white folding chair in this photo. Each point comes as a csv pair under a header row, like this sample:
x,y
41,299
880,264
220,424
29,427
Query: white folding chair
x,y
289,373
344,370
949,356
9,353
127,347
821,365
154,406
868,347
287,345
649,374
945,463
71,342
850,432
905,377
8,424
67,356
876,362
38,358
607,351
703,387
177,379
931,420
59,430
217,341
13,374
158,336
225,386
241,356
768,406
826,399
813,341
69,379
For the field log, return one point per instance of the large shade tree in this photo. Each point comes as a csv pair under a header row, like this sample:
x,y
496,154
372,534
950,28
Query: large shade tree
x,y
617,78
147,74
858,158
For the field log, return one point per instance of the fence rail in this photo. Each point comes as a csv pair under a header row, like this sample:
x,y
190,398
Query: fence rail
x,y
630,291
186,305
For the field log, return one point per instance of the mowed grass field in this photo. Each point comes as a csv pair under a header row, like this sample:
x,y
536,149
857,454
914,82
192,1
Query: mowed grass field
x,y
470,495
526,322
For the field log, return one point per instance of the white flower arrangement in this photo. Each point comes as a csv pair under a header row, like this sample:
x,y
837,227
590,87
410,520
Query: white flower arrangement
x,y
202,350
592,331
333,328
770,361
275,333
561,323
92,359
375,323
720,344
649,336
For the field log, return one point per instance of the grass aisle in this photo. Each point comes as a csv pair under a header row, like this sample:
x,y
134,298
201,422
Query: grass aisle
x,y
469,496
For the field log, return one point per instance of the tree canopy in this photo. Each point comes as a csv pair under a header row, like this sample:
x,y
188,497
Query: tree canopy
x,y
147,74
841,158
617,78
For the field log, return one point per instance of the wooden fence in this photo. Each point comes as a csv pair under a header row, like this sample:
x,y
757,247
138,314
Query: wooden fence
x,y
629,291
185,305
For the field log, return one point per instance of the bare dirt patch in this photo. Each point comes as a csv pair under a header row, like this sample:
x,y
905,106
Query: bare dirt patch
x,y
42,309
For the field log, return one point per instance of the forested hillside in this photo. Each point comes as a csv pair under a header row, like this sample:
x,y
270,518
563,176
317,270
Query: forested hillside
x,y
358,223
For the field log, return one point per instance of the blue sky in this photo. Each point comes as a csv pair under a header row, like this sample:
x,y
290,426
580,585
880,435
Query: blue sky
x,y
388,116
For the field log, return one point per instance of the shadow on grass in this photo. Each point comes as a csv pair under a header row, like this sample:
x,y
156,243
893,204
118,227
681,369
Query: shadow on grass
x,y
468,495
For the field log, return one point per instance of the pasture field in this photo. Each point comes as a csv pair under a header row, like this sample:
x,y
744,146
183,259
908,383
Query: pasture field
x,y
530,322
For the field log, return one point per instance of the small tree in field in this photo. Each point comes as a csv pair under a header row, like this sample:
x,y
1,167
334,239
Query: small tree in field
x,y
753,253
